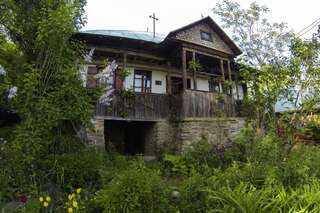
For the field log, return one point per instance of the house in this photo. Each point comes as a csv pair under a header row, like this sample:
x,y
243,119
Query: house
x,y
161,102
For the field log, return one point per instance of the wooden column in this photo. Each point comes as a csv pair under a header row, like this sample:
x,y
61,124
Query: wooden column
x,y
229,71
222,69
169,90
230,78
236,85
194,72
124,60
184,69
222,72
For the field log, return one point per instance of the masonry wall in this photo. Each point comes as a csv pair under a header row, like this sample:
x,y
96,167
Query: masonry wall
x,y
176,136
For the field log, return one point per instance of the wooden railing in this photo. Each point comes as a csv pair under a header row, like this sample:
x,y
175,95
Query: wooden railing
x,y
206,104
153,107
137,106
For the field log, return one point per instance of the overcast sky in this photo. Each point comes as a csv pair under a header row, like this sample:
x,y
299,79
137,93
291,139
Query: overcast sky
x,y
173,14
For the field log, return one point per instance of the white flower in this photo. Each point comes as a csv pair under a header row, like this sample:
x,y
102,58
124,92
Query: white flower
x,y
12,92
2,71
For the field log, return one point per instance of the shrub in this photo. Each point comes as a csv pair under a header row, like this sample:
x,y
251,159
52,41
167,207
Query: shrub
x,y
136,189
80,169
193,194
175,165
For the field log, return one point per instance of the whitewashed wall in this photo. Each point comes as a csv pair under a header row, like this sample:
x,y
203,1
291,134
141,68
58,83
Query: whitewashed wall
x,y
128,83
158,76
203,84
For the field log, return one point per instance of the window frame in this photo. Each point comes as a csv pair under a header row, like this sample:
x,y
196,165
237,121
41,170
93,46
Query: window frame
x,y
213,84
146,76
207,37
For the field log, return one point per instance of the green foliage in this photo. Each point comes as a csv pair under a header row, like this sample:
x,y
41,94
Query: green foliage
x,y
81,169
262,42
137,189
175,165
194,65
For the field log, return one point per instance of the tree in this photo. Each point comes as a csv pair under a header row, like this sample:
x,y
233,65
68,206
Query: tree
x,y
262,42
43,63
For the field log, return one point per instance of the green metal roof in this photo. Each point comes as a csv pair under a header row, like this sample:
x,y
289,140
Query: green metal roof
x,y
138,35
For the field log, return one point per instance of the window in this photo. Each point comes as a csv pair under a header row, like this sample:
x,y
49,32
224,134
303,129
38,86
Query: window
x,y
214,86
158,83
206,36
142,81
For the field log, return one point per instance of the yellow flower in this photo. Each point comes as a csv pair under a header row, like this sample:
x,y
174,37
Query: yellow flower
x,y
70,196
70,210
48,199
75,204
78,190
45,204
41,199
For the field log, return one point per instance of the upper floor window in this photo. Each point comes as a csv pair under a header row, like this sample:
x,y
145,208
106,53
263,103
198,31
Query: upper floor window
x,y
206,36
142,81
214,86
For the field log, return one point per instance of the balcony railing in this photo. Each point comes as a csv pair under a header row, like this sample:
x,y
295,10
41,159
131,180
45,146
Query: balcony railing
x,y
153,107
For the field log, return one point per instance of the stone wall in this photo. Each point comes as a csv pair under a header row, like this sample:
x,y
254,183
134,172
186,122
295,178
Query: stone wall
x,y
176,136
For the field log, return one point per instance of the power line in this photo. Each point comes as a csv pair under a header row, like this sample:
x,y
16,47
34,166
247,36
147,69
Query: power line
x,y
312,25
309,29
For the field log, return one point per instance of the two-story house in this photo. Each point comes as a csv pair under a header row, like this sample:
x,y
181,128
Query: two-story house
x,y
161,98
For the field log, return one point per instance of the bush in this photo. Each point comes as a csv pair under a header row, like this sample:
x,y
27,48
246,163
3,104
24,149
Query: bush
x,y
80,169
136,189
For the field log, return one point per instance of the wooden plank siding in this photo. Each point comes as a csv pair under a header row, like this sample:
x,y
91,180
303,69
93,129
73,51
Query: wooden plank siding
x,y
154,107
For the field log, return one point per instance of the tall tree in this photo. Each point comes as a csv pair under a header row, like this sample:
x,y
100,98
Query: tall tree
x,y
262,42
50,99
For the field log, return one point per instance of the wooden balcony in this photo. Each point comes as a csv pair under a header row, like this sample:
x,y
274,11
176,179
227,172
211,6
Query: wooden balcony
x,y
154,107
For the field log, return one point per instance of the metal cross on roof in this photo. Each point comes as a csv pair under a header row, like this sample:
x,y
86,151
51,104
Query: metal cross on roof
x,y
153,16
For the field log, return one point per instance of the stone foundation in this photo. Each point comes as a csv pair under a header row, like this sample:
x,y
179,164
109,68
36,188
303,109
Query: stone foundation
x,y
176,136
165,136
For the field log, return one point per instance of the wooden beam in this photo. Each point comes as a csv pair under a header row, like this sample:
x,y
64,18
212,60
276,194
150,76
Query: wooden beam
x,y
184,69
206,51
130,52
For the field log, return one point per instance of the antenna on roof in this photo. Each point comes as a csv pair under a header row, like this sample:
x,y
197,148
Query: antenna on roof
x,y
202,16
153,16
147,29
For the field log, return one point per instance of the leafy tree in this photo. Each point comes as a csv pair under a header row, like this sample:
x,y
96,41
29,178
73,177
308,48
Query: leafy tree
x,y
42,60
262,42
265,55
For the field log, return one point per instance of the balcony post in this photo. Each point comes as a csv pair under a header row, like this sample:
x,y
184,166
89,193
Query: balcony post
x,y
222,72
184,69
169,78
194,72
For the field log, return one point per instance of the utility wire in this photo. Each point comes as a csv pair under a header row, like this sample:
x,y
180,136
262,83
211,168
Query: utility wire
x,y
312,25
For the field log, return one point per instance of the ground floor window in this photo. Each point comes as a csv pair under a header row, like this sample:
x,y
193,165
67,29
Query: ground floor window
x,y
142,81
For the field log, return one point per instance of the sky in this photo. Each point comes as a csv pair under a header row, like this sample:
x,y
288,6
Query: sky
x,y
173,14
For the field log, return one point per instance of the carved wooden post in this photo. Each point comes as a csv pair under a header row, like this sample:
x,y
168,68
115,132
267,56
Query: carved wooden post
x,y
169,78
222,72
184,69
